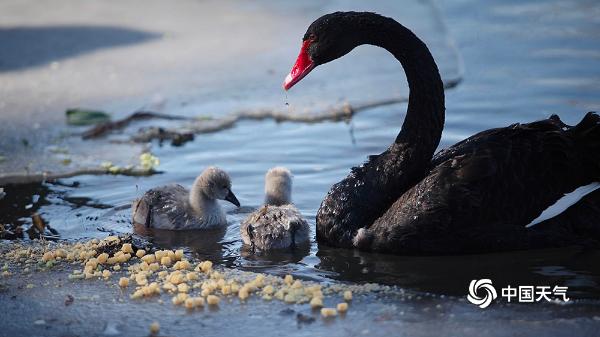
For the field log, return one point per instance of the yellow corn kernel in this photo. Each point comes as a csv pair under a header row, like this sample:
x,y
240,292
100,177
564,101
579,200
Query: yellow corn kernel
x,y
328,312
92,263
243,293
297,284
180,298
59,253
179,254
268,290
191,276
137,294
140,253
213,300
141,280
183,288
316,302
288,279
342,307
289,298
176,278
154,266
226,289
189,304
123,282
106,273
198,301
116,267
159,254
165,261
126,248
150,258
102,258
154,328
169,286
206,266
48,256
347,296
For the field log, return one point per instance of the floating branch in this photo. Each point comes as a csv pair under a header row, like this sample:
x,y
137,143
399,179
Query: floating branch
x,y
13,179
202,125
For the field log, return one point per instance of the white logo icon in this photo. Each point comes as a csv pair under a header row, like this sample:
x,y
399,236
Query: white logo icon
x,y
490,292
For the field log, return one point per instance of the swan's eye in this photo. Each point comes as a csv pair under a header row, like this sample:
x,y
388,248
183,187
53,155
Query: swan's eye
x,y
312,37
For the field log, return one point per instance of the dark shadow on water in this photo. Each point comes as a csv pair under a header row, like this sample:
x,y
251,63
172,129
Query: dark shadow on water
x,y
450,275
24,47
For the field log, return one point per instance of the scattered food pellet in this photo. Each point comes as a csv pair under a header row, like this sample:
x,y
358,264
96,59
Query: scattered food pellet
x,y
127,248
288,279
165,261
316,302
140,253
342,307
213,300
123,282
154,328
348,295
328,312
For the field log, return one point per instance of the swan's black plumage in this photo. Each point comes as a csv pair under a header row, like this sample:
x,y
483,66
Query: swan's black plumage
x,y
479,194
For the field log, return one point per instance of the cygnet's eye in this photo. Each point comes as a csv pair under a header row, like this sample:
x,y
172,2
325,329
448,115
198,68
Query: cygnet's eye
x,y
225,186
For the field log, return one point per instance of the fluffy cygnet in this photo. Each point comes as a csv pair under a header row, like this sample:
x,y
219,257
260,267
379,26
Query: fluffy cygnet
x,y
174,207
277,224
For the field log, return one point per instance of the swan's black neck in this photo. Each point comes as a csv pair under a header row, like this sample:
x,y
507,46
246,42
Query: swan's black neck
x,y
424,119
363,196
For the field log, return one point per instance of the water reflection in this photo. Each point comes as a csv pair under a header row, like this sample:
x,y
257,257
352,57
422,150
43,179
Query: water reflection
x,y
450,275
206,244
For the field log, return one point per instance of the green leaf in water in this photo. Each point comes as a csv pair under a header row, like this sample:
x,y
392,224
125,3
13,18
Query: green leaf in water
x,y
86,117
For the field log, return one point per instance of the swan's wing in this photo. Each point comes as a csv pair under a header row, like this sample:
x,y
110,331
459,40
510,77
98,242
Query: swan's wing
x,y
481,192
163,207
274,227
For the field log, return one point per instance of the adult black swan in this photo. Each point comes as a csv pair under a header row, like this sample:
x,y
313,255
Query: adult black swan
x,y
482,194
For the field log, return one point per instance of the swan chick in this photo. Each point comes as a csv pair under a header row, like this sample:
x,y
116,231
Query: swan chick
x,y
278,224
174,207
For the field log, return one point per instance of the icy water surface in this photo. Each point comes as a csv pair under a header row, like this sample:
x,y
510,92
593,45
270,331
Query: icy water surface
x,y
522,61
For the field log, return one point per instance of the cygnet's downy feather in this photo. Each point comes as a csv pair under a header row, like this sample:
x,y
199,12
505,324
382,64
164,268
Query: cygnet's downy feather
x,y
174,207
278,224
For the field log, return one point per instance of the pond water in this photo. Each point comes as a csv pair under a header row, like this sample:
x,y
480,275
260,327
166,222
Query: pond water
x,y
519,61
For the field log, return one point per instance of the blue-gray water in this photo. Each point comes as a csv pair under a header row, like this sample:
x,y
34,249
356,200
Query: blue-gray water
x,y
519,61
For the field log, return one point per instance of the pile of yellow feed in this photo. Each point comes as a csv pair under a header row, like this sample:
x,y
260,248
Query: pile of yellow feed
x,y
193,285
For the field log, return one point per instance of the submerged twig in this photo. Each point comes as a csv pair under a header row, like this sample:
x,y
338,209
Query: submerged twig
x,y
203,125
13,179
104,128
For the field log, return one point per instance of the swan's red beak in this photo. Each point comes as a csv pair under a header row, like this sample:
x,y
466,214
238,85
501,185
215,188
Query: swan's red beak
x,y
301,68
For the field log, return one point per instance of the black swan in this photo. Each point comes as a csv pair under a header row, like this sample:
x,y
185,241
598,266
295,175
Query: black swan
x,y
480,195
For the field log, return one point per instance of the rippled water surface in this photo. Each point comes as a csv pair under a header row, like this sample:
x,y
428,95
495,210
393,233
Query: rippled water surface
x,y
519,61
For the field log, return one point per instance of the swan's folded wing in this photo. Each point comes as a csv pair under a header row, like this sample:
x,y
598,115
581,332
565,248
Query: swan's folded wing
x,y
163,207
483,191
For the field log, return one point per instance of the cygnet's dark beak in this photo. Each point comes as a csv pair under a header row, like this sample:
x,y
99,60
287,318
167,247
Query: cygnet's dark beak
x,y
232,199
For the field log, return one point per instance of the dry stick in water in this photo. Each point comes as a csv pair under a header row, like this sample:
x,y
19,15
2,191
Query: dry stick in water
x,y
197,126
50,176
104,128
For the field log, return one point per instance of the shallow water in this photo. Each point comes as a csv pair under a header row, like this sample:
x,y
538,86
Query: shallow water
x,y
522,62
